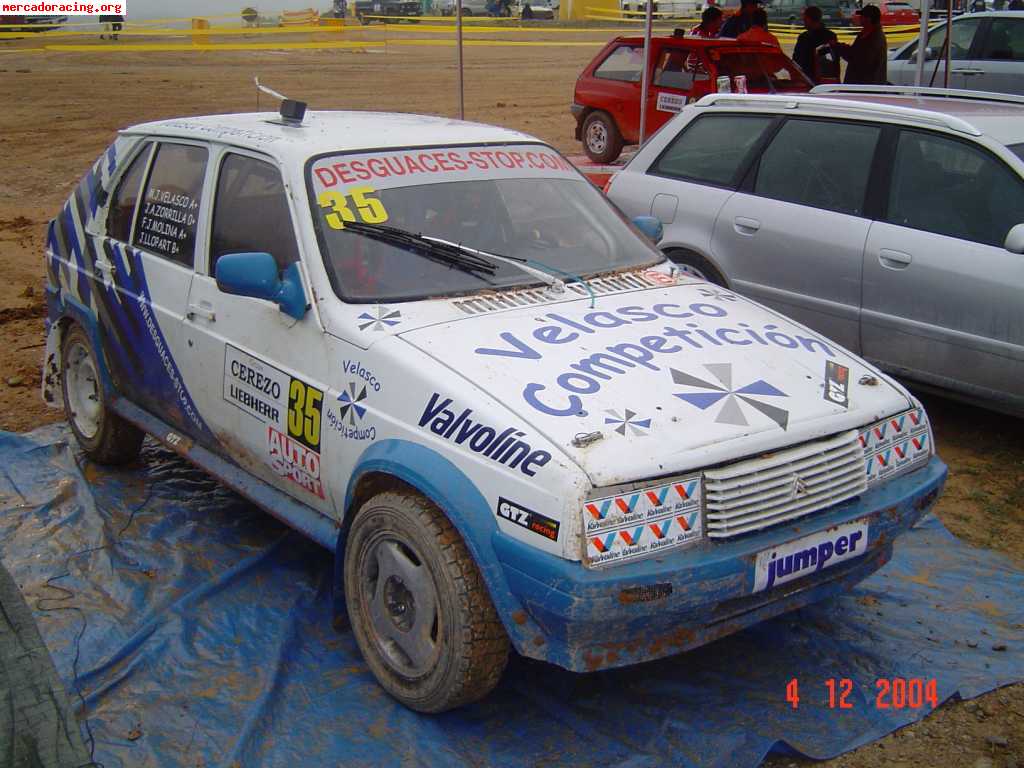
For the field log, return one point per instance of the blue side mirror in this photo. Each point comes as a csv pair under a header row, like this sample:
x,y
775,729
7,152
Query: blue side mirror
x,y
256,275
650,226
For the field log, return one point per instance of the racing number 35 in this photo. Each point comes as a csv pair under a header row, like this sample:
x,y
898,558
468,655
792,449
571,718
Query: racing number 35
x,y
304,406
370,210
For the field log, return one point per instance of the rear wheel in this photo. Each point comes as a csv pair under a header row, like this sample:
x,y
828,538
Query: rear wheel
x,y
418,605
105,437
602,140
695,265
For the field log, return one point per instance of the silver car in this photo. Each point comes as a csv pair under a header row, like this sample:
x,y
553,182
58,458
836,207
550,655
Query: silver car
x,y
986,53
891,219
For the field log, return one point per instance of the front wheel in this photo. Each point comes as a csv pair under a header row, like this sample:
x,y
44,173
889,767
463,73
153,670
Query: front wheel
x,y
105,437
695,265
602,140
418,605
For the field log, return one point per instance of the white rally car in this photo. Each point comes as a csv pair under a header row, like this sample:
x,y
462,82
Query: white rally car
x,y
436,349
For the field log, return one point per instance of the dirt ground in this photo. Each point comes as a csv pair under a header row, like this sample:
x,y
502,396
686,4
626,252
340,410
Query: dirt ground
x,y
62,109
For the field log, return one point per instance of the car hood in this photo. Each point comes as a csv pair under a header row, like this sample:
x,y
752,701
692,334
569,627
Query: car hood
x,y
648,383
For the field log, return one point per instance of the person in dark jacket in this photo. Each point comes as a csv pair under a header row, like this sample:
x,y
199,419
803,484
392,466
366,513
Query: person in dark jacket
x,y
815,35
739,22
866,57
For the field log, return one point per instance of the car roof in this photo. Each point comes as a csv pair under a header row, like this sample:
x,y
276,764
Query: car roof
x,y
325,132
702,42
998,116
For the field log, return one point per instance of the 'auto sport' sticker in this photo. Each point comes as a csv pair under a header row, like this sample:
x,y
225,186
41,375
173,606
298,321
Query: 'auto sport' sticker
x,y
291,410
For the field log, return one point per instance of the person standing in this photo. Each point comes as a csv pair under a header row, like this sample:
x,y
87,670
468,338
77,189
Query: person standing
x,y
758,32
739,22
815,35
710,23
866,57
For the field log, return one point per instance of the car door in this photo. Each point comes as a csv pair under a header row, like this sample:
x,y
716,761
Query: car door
x,y
676,69
795,231
616,87
903,69
942,297
145,259
998,63
263,373
687,183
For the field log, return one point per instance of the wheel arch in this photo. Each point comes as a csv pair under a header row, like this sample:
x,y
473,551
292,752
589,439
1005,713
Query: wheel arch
x,y
65,313
679,249
393,463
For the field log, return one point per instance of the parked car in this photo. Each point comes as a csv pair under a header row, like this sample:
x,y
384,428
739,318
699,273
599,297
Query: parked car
x,y
905,246
31,23
536,9
792,11
898,14
986,54
366,9
606,100
664,8
469,7
338,317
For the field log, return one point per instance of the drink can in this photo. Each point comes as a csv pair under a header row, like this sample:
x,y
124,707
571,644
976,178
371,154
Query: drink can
x,y
740,83
724,85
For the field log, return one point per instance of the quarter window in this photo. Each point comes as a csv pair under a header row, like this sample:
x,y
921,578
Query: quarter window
x,y
126,195
952,188
166,224
625,63
251,212
676,69
1005,40
819,163
712,148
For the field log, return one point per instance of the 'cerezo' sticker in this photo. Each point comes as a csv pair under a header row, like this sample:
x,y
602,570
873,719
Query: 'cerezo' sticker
x,y
837,383
528,519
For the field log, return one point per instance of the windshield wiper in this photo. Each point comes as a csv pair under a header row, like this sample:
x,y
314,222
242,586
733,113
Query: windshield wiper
x,y
453,254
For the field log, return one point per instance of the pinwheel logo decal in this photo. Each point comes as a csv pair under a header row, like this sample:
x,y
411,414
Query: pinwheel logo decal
x,y
735,401
350,403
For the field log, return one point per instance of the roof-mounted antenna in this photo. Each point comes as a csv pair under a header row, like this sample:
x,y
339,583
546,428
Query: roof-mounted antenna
x,y
291,111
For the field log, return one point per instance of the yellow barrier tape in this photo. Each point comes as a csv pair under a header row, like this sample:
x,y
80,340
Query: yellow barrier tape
x,y
310,45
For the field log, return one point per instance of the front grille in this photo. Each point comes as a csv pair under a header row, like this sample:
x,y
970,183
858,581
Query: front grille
x,y
757,493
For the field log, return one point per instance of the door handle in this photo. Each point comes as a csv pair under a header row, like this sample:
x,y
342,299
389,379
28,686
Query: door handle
x,y
205,312
894,259
746,226
968,71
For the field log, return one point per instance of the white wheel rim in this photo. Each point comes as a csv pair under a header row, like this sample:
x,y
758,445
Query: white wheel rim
x,y
83,390
597,137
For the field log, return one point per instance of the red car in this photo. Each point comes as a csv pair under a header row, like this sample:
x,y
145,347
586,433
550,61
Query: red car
x,y
606,101
893,14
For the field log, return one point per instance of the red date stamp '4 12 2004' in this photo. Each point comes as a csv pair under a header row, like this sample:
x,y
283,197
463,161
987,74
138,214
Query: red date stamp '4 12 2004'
x,y
890,693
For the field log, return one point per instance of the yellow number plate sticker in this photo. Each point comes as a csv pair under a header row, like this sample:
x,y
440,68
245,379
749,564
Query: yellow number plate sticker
x,y
351,205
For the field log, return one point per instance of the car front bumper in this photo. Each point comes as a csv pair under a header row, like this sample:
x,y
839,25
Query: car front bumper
x,y
593,619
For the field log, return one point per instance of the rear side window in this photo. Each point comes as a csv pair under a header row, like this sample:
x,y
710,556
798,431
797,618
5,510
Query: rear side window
x,y
167,223
712,148
819,163
953,188
677,68
769,72
624,63
1005,41
251,212
126,195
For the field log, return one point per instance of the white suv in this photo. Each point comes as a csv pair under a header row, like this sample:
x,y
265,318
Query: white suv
x,y
890,219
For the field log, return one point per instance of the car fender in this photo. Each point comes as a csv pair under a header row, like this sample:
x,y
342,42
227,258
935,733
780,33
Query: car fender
x,y
666,246
447,486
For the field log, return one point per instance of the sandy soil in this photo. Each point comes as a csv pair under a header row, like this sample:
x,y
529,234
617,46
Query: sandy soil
x,y
62,109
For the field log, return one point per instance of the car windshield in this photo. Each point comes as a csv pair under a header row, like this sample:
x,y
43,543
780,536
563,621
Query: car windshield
x,y
1017,149
379,217
771,72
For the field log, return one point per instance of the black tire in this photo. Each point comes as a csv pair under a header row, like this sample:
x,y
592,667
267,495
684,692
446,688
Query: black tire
x,y
466,12
105,437
460,639
602,140
696,265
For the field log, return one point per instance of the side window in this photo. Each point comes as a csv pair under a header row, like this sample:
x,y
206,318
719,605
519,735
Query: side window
x,y
953,188
250,212
960,44
712,148
819,163
1005,40
677,68
166,225
126,195
624,63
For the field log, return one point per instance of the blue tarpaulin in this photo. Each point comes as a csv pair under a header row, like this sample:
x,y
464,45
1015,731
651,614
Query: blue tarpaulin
x,y
194,630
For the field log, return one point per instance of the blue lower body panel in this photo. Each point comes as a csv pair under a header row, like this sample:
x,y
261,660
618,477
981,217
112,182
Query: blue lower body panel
x,y
601,618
